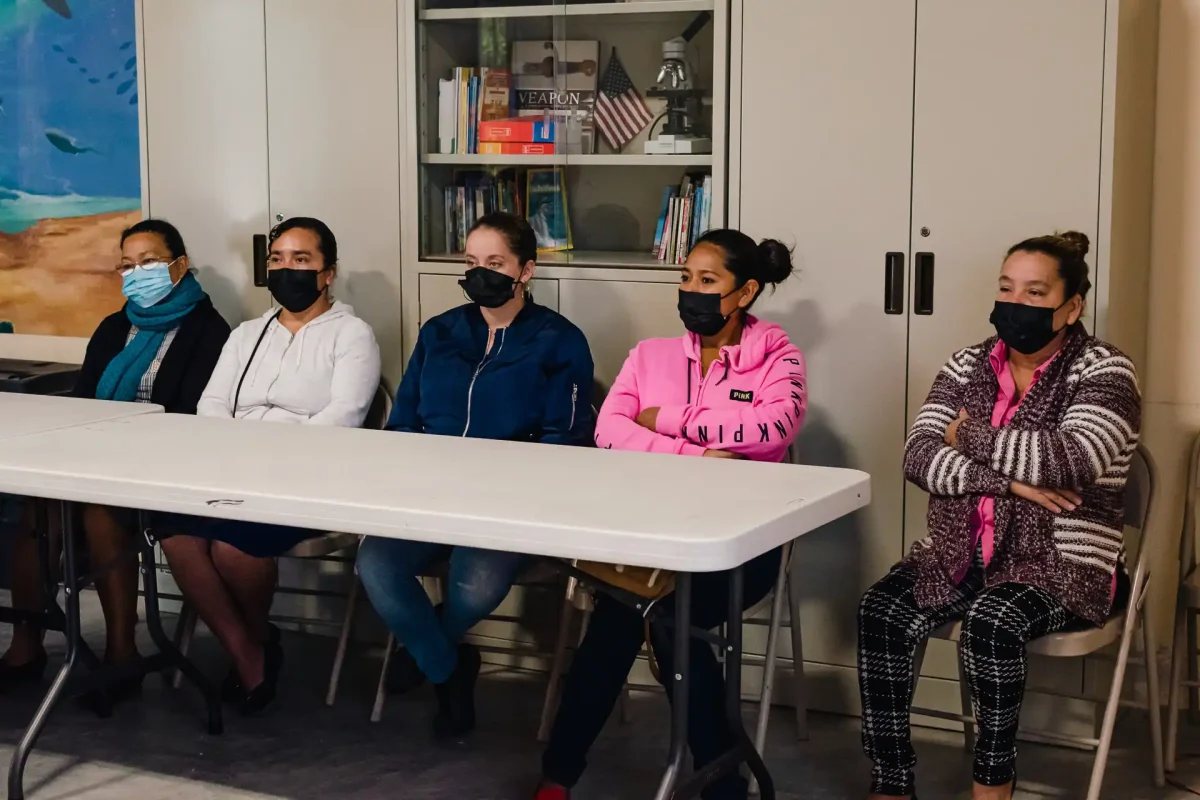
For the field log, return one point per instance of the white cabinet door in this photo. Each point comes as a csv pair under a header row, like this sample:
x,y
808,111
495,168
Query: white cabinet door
x,y
825,155
333,105
1006,146
206,138
616,315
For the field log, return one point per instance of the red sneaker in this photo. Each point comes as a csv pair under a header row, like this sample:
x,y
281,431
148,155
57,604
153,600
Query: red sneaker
x,y
551,791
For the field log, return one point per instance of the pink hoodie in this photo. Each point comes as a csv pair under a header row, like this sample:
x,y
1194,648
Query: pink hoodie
x,y
752,401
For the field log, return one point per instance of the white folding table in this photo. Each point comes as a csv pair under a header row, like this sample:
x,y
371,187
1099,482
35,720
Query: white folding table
x,y
26,415
683,514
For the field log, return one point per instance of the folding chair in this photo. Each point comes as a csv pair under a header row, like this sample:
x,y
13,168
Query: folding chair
x,y
1184,645
1121,627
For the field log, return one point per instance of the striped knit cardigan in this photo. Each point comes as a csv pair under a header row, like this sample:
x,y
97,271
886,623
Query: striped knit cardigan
x,y
1076,428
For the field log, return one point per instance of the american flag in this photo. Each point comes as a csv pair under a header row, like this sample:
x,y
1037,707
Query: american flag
x,y
621,114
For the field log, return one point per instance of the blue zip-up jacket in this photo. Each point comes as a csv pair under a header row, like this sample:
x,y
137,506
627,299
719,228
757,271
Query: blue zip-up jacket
x,y
534,385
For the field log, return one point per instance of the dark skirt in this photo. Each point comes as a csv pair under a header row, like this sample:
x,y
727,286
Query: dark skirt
x,y
258,539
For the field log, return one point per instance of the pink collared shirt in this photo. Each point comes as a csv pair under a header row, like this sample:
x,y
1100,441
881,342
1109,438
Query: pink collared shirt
x,y
983,518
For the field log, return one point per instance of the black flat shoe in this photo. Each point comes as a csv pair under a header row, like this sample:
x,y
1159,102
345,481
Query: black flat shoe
x,y
403,673
231,688
20,674
455,718
102,701
257,699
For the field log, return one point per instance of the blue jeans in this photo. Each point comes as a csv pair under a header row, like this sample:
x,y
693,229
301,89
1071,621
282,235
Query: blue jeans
x,y
477,584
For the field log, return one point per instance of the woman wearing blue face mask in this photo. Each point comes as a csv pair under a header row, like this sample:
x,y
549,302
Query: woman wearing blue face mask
x,y
160,348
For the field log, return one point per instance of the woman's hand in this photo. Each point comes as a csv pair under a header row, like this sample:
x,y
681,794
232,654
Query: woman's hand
x,y
722,454
648,419
1055,500
951,437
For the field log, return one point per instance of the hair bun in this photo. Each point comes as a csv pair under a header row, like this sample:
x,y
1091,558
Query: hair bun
x,y
1076,241
776,260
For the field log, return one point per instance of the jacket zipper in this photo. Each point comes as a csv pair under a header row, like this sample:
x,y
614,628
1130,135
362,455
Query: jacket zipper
x,y
478,369
704,377
574,399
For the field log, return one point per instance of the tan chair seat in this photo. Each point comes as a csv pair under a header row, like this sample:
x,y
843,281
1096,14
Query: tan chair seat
x,y
1066,644
325,545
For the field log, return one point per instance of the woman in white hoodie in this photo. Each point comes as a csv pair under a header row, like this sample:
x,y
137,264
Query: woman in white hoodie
x,y
311,362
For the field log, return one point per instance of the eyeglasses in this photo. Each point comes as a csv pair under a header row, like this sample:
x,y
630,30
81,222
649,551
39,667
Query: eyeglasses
x,y
125,270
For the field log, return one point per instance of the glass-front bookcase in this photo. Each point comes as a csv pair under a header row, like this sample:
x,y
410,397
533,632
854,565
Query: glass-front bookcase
x,y
602,123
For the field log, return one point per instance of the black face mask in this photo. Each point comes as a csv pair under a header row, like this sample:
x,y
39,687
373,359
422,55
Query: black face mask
x,y
1026,329
294,289
701,312
488,288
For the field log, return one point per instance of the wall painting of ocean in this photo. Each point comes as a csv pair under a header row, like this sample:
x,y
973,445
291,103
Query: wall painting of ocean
x,y
70,177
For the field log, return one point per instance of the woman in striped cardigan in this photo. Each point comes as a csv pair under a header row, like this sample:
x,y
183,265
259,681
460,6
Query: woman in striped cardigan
x,y
1024,446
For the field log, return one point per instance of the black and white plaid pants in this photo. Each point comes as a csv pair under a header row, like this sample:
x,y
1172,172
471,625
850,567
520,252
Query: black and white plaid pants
x,y
996,625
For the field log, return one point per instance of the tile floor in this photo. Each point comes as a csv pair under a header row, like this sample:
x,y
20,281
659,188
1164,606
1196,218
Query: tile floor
x,y
156,748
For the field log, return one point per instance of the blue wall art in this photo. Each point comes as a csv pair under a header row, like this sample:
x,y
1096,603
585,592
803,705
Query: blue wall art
x,y
70,177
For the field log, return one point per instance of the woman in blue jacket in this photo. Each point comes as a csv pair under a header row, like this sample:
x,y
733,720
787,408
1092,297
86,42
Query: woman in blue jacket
x,y
501,367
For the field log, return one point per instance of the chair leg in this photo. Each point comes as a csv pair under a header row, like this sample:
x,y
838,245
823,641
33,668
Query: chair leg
x,y
768,676
381,689
1154,704
626,705
185,631
1193,669
1111,708
339,658
799,688
550,704
968,711
1178,653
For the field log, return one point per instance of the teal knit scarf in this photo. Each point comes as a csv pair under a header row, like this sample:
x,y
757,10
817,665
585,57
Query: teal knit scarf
x,y
123,374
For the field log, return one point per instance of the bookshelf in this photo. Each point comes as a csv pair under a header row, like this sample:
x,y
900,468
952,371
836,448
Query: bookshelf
x,y
613,197
642,8
581,160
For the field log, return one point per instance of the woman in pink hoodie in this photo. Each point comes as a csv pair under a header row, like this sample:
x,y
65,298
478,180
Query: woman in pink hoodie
x,y
732,387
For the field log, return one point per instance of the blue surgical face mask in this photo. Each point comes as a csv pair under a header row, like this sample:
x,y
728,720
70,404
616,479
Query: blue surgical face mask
x,y
149,284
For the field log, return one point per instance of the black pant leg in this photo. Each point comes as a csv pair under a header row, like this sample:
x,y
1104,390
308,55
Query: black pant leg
x,y
592,687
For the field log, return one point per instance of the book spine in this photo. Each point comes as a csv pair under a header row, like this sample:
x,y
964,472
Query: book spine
x,y
517,130
516,149
461,137
662,220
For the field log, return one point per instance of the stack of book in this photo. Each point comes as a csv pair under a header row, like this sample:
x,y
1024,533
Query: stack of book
x,y
520,136
684,218
466,101
475,194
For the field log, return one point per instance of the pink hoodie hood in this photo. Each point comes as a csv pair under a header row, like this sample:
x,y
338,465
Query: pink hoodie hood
x,y
751,402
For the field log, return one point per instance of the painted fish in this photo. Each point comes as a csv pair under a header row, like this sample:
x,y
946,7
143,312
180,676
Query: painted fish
x,y
125,46
133,99
72,60
126,86
129,64
65,143
2,112
59,7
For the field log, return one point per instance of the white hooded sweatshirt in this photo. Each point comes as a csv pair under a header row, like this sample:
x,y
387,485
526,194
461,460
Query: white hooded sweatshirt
x,y
326,374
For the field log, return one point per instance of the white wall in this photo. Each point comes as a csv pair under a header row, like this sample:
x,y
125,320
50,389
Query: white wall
x,y
1171,379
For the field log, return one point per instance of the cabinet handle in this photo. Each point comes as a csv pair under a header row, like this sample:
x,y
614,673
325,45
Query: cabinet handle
x,y
893,283
923,285
260,259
